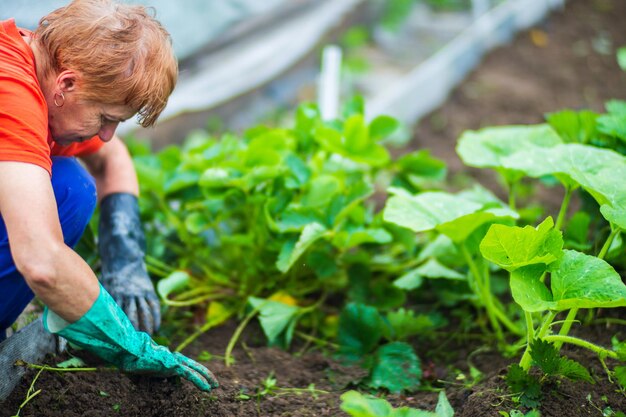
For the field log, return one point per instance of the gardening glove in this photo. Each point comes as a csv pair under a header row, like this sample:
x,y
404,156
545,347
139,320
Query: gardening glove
x,y
31,344
121,244
106,331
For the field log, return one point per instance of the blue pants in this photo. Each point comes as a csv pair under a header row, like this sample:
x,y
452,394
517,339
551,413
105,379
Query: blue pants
x,y
75,193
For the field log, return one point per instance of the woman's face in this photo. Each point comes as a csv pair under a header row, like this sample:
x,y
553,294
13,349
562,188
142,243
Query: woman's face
x,y
78,120
72,119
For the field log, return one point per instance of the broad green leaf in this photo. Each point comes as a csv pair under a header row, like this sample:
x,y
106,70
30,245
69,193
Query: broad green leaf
x,y
584,281
417,168
218,177
258,175
459,230
406,324
358,405
456,216
74,362
545,356
525,385
355,105
434,269
574,126
514,247
575,371
616,107
441,248
311,233
172,283
360,329
275,317
295,219
357,193
444,409
488,147
356,135
149,173
381,127
577,229
409,280
321,191
375,155
196,222
181,180
298,168
383,295
307,116
621,58
396,368
613,125
350,239
426,211
323,262
620,374
527,289
572,163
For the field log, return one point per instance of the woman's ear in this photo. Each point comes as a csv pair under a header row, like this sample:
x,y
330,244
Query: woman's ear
x,y
66,81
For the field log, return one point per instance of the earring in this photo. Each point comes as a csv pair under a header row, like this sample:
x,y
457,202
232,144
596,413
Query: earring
x,y
62,99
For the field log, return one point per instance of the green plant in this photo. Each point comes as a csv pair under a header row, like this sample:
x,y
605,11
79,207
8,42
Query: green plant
x,y
621,58
270,387
463,219
545,357
392,365
359,405
270,223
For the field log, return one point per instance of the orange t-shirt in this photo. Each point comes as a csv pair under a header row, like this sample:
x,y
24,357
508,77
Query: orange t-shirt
x,y
24,132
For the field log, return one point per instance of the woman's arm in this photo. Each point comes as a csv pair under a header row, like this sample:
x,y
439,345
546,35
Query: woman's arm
x,y
121,241
55,273
113,169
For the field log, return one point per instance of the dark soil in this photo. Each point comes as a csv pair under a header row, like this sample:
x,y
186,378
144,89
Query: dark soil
x,y
575,68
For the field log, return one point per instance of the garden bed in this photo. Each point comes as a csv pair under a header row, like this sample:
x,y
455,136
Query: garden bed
x,y
567,62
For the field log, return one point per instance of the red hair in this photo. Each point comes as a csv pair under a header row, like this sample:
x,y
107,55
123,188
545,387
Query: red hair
x,y
121,53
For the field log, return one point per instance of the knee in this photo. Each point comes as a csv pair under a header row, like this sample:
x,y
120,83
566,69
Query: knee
x,y
75,193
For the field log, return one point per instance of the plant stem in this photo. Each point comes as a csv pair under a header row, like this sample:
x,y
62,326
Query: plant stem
x,y
228,358
567,325
205,328
608,242
317,340
564,205
610,320
506,321
512,191
545,326
582,343
52,368
483,292
30,394
530,328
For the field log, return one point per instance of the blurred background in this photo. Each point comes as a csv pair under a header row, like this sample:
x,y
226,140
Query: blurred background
x,y
244,62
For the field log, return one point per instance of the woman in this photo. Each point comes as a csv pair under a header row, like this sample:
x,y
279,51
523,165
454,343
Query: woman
x,y
63,90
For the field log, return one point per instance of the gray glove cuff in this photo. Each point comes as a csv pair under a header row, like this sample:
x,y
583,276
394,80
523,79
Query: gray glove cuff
x,y
121,239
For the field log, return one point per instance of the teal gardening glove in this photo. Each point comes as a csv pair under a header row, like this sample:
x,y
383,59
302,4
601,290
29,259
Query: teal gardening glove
x,y
107,332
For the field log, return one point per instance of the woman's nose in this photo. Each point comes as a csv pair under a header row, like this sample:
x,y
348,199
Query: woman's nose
x,y
107,131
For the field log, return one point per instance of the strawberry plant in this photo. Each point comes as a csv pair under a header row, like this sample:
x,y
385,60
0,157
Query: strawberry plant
x,y
276,220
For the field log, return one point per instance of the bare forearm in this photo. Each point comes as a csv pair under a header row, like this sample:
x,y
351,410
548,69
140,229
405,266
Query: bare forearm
x,y
113,170
69,288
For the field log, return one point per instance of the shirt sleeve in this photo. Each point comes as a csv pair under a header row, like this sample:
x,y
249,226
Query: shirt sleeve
x,y
23,121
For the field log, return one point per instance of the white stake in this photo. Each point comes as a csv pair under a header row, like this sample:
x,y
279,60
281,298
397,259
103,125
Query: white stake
x,y
329,83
